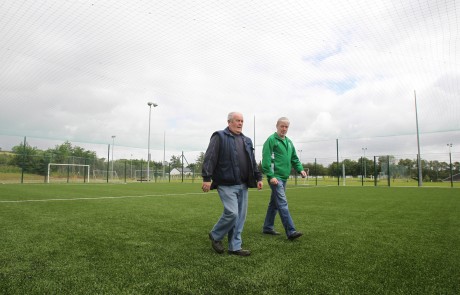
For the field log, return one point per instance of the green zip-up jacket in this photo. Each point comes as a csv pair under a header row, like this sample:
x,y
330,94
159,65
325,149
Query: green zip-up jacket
x,y
278,157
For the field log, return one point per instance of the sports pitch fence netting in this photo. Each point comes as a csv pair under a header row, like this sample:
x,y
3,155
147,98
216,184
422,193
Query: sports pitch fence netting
x,y
98,163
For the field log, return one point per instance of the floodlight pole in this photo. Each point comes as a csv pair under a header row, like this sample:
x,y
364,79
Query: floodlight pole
x,y
113,147
150,104
450,165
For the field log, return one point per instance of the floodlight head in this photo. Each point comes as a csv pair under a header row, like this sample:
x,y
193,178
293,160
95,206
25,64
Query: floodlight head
x,y
152,104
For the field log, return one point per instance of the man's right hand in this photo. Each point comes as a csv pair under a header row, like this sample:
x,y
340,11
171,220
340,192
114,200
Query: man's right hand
x,y
206,186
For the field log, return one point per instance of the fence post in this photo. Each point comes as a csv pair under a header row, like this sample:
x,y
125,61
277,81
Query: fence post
x,y
375,171
388,166
108,162
23,160
142,173
84,170
182,166
338,166
316,173
68,169
450,166
45,166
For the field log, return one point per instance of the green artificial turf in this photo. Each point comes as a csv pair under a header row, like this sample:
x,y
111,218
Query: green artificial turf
x,y
153,239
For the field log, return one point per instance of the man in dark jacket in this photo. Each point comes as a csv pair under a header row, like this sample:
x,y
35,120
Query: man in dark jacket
x,y
229,166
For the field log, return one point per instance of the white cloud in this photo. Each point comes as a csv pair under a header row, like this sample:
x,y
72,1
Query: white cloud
x,y
85,71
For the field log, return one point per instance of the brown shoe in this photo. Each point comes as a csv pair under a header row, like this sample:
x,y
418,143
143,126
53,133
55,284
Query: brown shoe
x,y
216,245
295,235
240,252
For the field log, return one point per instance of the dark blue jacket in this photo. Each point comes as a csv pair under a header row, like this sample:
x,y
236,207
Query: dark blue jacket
x,y
221,161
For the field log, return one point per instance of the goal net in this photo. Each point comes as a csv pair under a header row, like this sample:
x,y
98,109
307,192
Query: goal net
x,y
104,175
141,175
66,172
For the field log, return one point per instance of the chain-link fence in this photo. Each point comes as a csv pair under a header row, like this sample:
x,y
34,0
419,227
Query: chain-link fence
x,y
70,163
384,170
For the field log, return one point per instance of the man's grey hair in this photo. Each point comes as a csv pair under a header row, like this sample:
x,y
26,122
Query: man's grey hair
x,y
282,119
231,115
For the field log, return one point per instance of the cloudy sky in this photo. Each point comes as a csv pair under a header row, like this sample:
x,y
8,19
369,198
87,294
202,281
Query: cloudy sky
x,y
349,70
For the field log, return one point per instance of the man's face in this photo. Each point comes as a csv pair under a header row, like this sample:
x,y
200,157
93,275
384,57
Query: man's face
x,y
282,128
236,124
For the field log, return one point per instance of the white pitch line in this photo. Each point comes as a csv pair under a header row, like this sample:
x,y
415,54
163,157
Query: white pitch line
x,y
98,198
126,197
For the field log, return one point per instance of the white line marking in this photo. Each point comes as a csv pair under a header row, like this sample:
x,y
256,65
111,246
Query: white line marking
x,y
98,198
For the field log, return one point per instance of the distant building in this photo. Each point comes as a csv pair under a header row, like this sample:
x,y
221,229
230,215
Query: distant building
x,y
178,172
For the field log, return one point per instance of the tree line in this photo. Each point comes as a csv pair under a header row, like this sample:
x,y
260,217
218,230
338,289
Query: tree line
x,y
399,168
33,160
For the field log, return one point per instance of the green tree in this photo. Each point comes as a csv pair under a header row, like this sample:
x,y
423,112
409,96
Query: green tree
x,y
369,167
352,167
175,162
193,168
320,169
199,162
28,158
62,153
5,158
332,169
408,166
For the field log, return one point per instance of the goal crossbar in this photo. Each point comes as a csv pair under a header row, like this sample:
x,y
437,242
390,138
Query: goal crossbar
x,y
56,164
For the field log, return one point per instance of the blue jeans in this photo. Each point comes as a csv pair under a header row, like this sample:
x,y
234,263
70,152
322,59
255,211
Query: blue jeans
x,y
231,223
278,203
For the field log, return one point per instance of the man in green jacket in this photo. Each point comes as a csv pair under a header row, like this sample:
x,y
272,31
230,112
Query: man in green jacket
x,y
278,156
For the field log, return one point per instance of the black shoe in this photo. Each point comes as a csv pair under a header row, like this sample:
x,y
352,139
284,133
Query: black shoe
x,y
295,235
271,232
216,245
240,252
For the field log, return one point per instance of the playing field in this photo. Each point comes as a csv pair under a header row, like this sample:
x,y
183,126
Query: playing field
x,y
153,239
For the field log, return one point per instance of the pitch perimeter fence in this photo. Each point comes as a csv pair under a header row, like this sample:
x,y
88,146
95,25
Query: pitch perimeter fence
x,y
26,162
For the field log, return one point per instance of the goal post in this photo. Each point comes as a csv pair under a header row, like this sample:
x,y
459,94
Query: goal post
x,y
86,167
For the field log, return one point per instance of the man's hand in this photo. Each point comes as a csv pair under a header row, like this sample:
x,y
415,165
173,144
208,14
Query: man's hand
x,y
206,186
259,185
274,181
303,173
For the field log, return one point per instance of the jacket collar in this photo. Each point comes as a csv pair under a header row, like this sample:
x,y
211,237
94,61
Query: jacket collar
x,y
228,132
278,137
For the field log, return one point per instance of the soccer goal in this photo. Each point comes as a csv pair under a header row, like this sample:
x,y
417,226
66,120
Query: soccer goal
x,y
141,175
104,174
65,171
